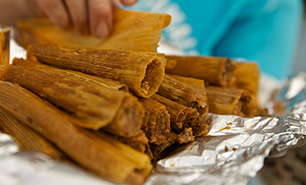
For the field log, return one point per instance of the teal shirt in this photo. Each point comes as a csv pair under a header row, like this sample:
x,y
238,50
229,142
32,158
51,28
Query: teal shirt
x,y
265,31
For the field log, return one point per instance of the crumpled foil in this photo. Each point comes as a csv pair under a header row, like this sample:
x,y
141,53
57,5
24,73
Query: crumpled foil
x,y
232,153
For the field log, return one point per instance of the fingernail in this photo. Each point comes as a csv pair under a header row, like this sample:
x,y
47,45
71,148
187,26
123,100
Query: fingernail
x,y
129,2
102,29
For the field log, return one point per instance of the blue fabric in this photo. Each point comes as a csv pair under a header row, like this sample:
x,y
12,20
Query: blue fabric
x,y
265,31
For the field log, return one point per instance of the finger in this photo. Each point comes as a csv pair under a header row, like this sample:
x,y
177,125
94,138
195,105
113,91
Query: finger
x,y
116,4
56,11
33,5
128,2
79,15
100,17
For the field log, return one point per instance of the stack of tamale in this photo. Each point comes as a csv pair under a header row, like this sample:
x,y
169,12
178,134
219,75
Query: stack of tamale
x,y
113,105
231,87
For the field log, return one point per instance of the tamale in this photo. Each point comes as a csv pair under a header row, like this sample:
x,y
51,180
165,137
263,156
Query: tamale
x,y
100,154
145,121
127,122
26,138
251,108
247,76
143,72
182,117
64,73
193,82
228,100
139,142
5,36
116,111
158,149
183,94
171,63
132,30
197,84
214,70
30,56
158,125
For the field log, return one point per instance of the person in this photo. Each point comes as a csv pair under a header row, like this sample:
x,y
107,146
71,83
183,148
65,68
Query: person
x,y
299,64
86,16
265,31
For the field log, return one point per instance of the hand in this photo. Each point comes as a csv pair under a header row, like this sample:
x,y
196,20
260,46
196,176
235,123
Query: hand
x,y
86,16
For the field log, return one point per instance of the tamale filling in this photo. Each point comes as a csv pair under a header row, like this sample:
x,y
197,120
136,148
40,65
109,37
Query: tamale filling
x,y
150,80
161,127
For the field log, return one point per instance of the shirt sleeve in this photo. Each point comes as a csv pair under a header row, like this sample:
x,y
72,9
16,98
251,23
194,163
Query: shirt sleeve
x,y
265,31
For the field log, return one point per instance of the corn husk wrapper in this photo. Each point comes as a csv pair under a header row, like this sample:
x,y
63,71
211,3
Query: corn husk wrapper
x,y
82,77
27,139
193,82
247,76
139,142
5,36
132,30
228,100
214,70
143,72
158,124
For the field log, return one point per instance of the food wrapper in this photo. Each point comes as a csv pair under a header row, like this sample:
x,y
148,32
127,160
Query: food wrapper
x,y
232,153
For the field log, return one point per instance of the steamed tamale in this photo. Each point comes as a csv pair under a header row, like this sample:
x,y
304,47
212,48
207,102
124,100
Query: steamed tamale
x,y
253,109
30,56
158,149
197,84
214,70
63,73
182,117
228,100
127,122
184,137
139,142
158,124
183,94
132,30
5,36
193,82
26,138
145,121
141,71
171,63
116,111
247,76
101,154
